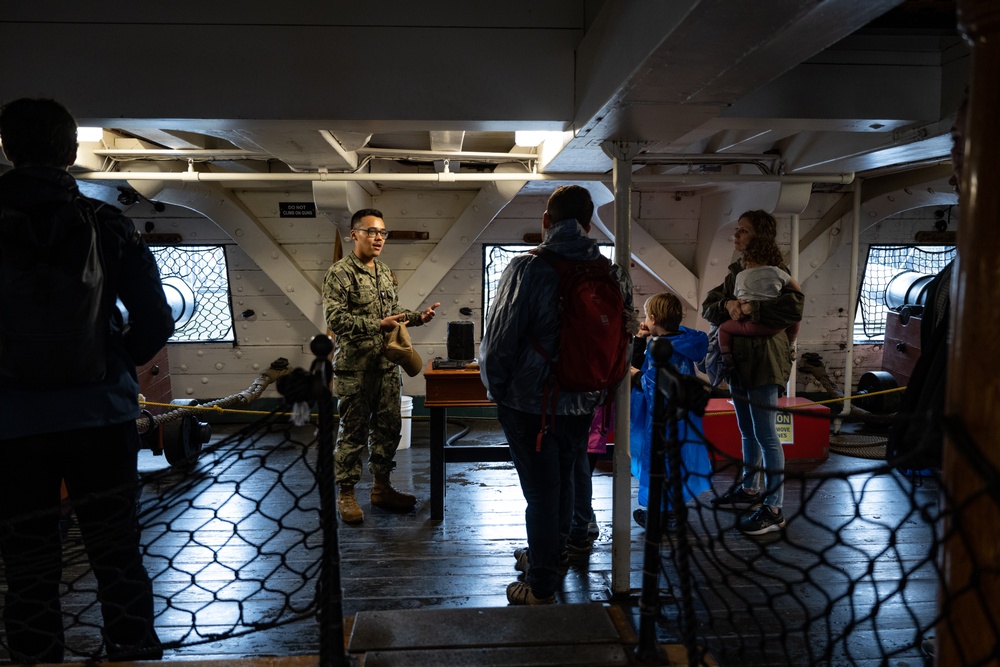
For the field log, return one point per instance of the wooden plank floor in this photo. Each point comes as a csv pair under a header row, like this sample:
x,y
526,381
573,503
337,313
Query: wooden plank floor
x,y
847,583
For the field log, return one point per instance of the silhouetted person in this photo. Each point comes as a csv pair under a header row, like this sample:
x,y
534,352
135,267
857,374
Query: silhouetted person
x,y
78,426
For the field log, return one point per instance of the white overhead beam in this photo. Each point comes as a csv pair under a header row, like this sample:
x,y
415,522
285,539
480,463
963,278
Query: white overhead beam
x,y
467,228
452,177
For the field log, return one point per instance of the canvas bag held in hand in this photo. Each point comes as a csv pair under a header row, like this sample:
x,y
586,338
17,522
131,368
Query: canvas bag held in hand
x,y
398,349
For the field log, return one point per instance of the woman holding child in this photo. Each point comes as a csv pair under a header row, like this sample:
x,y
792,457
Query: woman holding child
x,y
759,368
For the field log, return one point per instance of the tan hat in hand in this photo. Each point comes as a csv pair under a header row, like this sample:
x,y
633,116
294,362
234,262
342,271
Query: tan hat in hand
x,y
399,350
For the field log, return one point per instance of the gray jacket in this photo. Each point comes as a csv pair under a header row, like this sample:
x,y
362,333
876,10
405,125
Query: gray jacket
x,y
525,306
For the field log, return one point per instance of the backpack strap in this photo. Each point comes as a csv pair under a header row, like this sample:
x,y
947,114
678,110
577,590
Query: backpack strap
x,y
551,389
550,392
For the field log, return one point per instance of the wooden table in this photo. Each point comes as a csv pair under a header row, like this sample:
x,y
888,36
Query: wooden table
x,y
454,388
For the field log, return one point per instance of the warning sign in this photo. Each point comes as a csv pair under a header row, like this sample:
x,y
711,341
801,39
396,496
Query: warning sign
x,y
786,431
296,209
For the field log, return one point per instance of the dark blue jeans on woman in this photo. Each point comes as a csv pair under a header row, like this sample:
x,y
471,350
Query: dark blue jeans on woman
x,y
763,455
546,476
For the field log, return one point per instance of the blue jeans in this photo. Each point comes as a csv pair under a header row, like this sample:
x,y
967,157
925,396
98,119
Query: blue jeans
x,y
99,467
762,452
583,493
546,477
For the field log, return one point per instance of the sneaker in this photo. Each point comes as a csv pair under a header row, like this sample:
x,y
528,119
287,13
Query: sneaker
x,y
593,529
762,521
738,497
521,560
668,518
578,548
520,593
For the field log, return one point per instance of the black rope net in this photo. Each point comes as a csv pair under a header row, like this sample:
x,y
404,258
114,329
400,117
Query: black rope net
x,y
250,541
854,578
233,545
889,272
195,276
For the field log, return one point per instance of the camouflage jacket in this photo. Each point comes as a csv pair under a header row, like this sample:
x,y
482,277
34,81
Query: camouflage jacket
x,y
356,298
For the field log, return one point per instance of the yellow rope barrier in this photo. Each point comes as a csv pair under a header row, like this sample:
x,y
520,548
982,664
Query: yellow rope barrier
x,y
220,410
829,400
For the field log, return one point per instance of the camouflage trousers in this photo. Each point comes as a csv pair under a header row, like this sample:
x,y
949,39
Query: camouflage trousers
x,y
369,416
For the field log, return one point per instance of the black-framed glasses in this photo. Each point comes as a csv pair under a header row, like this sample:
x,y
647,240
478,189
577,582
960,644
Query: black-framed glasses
x,y
375,231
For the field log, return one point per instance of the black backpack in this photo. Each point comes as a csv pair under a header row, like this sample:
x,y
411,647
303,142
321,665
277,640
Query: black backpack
x,y
54,322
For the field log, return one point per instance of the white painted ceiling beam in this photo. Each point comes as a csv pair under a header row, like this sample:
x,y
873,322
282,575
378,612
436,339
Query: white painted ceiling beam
x,y
881,198
709,56
447,141
476,217
865,152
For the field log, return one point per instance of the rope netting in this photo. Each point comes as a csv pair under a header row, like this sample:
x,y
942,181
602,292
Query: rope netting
x,y
238,543
233,546
856,576
241,544
889,273
226,535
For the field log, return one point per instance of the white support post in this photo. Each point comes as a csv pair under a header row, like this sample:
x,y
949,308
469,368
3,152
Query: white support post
x,y
852,298
621,499
793,261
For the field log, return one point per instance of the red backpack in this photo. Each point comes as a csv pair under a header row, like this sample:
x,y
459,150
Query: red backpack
x,y
593,331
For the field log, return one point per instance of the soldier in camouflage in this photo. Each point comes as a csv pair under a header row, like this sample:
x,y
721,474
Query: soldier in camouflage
x,y
359,300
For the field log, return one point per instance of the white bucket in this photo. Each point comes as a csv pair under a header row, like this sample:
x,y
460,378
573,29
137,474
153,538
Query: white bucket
x,y
406,412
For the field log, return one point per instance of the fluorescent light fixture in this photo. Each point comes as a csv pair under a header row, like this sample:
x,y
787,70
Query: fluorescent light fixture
x,y
89,134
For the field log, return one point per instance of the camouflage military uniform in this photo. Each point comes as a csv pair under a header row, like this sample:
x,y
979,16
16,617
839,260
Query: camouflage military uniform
x,y
355,300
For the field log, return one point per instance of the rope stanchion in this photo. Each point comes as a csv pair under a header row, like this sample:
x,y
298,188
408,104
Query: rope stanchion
x,y
301,387
675,396
332,651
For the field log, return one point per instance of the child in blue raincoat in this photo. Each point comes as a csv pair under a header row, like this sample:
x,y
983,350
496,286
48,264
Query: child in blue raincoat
x,y
663,318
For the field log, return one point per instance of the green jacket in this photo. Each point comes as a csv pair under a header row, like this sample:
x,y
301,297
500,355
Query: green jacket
x,y
760,360
356,299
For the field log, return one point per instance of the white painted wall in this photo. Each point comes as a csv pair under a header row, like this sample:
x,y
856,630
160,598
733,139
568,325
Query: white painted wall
x,y
280,329
824,325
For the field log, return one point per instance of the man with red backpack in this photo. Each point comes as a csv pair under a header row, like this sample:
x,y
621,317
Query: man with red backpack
x,y
544,410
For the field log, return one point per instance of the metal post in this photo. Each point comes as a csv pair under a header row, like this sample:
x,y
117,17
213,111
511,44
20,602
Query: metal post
x,y
793,264
332,652
673,398
648,650
852,298
621,497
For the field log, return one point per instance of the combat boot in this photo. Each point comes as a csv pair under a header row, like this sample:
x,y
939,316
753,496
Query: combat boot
x,y
388,498
347,506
